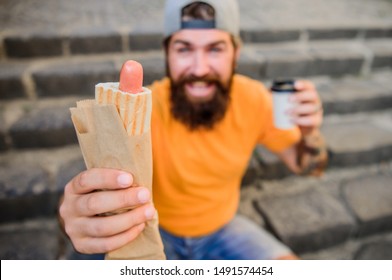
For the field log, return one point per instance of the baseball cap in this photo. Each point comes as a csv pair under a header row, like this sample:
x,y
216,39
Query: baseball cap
x,y
226,16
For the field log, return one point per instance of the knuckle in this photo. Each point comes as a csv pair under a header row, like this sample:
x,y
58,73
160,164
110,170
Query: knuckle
x,y
79,246
107,245
69,230
69,187
92,204
125,198
82,179
98,229
63,210
135,217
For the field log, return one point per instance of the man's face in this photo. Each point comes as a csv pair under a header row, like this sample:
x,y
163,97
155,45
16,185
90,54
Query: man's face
x,y
201,58
200,65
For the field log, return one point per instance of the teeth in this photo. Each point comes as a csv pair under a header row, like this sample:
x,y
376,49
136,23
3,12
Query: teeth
x,y
199,89
199,84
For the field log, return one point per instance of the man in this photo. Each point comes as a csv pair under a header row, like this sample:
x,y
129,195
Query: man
x,y
206,121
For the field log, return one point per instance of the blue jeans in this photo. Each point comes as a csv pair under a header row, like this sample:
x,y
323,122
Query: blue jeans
x,y
240,239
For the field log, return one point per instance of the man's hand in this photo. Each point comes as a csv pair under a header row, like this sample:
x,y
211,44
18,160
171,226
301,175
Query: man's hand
x,y
309,156
95,192
308,113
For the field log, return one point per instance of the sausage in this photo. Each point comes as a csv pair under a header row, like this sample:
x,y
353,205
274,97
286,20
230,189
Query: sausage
x,y
131,77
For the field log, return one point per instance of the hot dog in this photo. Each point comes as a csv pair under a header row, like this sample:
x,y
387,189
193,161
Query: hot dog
x,y
114,132
131,99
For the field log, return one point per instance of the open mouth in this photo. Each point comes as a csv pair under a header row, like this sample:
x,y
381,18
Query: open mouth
x,y
200,89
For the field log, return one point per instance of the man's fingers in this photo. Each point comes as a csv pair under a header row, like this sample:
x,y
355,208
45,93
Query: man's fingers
x,y
107,244
305,97
115,224
314,120
95,179
302,85
101,202
306,109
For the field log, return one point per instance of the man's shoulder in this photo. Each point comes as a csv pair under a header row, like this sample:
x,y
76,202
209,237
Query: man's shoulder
x,y
160,91
246,87
160,85
239,78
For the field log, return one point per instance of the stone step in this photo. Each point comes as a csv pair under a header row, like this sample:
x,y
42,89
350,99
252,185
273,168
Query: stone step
x,y
346,214
100,40
353,140
311,214
37,124
53,55
353,95
36,239
92,29
77,75
359,138
32,181
375,247
46,122
333,58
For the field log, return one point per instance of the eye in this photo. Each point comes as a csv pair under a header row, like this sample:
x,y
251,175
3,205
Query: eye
x,y
217,48
183,49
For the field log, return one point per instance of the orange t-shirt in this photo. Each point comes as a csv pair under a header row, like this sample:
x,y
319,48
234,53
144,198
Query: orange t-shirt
x,y
197,174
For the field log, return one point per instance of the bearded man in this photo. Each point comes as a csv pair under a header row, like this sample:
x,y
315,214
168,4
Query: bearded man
x,y
206,121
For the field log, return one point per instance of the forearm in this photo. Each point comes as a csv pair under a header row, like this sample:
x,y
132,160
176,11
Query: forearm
x,y
309,156
312,154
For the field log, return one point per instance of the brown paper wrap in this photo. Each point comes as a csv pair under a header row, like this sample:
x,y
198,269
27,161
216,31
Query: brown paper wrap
x,y
105,143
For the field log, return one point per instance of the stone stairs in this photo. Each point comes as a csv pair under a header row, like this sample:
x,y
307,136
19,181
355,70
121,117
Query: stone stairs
x,y
345,214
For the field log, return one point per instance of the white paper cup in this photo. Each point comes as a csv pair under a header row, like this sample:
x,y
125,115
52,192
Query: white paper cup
x,y
281,92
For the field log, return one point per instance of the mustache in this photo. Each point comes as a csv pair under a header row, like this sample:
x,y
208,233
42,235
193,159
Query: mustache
x,y
210,79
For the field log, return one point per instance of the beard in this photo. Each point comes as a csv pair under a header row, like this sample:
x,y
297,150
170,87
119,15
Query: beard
x,y
202,114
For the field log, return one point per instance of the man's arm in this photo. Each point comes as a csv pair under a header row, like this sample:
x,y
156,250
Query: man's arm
x,y
309,156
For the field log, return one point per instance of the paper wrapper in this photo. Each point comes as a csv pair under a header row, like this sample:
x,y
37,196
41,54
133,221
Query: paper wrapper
x,y
110,140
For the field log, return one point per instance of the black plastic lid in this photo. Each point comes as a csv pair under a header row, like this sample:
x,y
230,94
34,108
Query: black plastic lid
x,y
281,85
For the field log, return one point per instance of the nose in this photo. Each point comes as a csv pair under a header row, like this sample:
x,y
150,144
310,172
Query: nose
x,y
201,65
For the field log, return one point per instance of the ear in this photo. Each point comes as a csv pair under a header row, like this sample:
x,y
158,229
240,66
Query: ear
x,y
237,52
